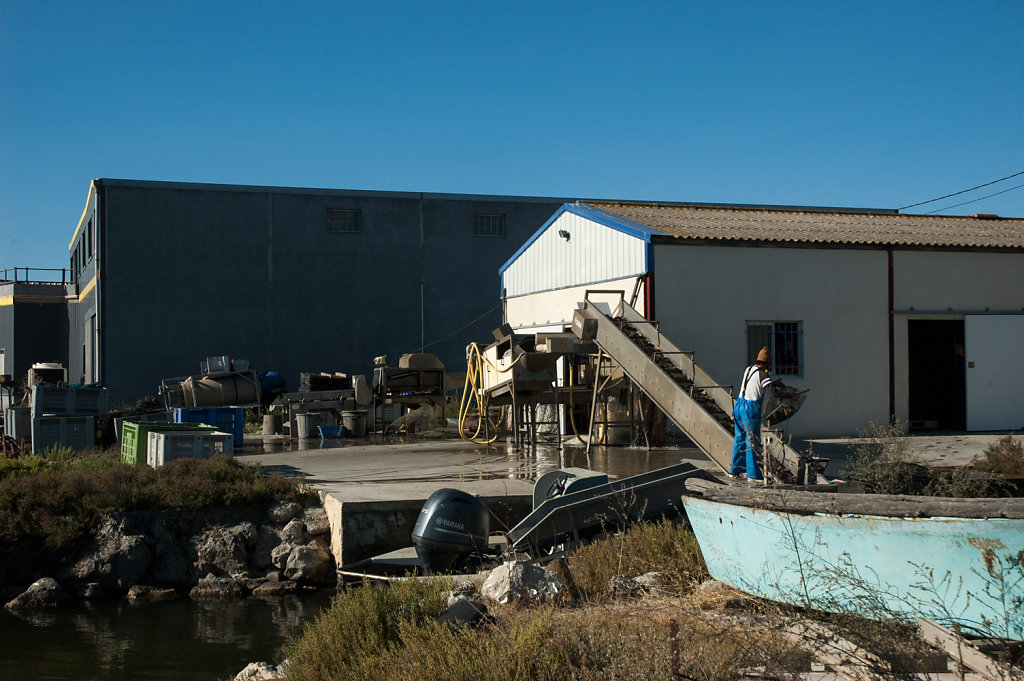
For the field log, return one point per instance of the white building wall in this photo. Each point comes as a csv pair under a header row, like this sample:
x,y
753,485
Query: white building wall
x,y
552,310
704,295
948,285
592,253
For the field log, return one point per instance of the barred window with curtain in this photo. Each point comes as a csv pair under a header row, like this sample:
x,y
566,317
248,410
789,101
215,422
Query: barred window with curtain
x,y
784,341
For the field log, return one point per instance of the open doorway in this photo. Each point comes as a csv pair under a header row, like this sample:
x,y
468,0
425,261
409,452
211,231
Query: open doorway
x,y
937,381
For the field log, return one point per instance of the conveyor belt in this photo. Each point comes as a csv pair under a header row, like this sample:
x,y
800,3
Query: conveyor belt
x,y
669,377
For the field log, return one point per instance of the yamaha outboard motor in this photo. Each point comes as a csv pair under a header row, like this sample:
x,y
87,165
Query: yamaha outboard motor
x,y
452,526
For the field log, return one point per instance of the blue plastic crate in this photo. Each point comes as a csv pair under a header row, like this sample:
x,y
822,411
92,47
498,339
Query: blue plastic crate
x,y
226,419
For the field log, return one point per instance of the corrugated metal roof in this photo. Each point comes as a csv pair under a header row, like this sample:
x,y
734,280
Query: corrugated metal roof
x,y
823,227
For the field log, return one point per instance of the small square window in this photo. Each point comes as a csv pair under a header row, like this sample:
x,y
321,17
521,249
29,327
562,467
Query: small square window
x,y
344,220
784,341
489,224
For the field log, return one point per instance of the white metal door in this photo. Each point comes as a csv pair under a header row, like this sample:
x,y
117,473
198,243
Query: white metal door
x,y
995,371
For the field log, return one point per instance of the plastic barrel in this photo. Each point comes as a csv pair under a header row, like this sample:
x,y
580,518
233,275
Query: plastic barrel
x,y
305,425
355,422
272,424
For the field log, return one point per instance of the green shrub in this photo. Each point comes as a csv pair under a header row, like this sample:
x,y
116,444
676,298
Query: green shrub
x,y
362,628
57,500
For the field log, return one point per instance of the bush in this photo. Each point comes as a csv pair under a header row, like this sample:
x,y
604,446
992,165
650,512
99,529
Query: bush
x,y
657,546
55,501
361,628
881,462
1004,457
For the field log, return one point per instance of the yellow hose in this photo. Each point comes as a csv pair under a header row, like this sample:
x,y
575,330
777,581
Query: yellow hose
x,y
472,391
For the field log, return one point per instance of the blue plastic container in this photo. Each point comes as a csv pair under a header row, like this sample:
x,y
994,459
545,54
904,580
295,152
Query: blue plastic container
x,y
331,432
225,419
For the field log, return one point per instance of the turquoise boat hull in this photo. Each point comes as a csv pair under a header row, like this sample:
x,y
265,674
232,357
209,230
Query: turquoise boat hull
x,y
960,572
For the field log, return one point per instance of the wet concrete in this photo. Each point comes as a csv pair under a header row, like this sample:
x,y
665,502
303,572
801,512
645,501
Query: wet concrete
x,y
413,469
373,492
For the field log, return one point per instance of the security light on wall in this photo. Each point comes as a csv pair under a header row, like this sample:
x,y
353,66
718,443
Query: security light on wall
x,y
564,234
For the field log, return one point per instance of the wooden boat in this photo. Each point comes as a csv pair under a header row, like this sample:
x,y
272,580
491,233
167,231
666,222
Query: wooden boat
x,y
959,562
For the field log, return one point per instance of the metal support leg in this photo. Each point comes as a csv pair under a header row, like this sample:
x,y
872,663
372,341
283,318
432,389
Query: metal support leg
x,y
593,399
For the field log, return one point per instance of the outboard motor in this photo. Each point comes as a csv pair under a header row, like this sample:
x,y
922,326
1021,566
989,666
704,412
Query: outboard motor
x,y
452,526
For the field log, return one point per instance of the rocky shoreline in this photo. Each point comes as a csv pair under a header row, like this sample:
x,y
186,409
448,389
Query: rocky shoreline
x,y
212,554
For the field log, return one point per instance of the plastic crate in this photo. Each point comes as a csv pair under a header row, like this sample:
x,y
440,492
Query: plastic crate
x,y
77,432
226,419
166,446
135,437
69,400
18,423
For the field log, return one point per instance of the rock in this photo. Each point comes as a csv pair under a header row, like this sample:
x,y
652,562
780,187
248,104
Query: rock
x,y
225,550
294,533
316,522
279,556
653,582
43,593
116,560
260,671
150,594
211,588
93,591
560,567
713,594
270,589
621,586
310,564
261,556
464,612
171,568
521,582
461,590
283,511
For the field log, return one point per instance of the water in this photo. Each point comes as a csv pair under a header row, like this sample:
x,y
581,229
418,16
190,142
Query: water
x,y
208,641
183,640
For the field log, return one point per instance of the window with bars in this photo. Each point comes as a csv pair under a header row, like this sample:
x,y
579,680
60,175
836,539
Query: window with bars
x,y
784,341
344,220
489,224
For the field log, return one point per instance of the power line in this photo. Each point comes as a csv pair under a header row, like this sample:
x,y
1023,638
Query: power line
x,y
469,324
962,191
974,200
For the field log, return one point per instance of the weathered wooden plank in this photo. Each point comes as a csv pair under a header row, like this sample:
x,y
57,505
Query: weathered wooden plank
x,y
961,650
890,505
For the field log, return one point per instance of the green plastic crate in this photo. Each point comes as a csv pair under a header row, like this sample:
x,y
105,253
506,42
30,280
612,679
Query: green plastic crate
x,y
135,437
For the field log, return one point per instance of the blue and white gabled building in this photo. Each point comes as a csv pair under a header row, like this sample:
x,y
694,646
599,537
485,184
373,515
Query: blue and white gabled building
x,y
882,315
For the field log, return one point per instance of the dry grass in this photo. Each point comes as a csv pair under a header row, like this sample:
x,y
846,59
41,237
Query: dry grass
x,y
648,547
1004,457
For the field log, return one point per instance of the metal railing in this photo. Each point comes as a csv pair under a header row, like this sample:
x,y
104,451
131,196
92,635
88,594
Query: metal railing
x,y
28,275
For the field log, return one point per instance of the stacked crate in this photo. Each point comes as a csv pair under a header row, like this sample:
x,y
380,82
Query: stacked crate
x,y
66,416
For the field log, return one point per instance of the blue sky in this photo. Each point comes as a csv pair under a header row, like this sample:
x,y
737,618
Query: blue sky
x,y
870,104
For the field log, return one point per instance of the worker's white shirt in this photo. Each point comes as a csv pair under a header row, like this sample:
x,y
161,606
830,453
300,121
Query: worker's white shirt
x,y
755,382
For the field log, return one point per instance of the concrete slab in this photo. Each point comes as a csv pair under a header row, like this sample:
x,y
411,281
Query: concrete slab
x,y
938,450
373,492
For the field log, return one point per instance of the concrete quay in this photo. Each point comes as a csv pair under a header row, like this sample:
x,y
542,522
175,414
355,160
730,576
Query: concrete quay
x,y
373,492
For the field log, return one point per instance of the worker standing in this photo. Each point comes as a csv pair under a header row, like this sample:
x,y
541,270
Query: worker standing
x,y
746,448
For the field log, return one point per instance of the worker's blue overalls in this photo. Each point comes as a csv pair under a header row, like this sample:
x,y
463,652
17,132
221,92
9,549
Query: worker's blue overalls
x,y
746,446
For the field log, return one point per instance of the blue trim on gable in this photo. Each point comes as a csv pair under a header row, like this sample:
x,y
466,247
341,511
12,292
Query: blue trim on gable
x,y
616,222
